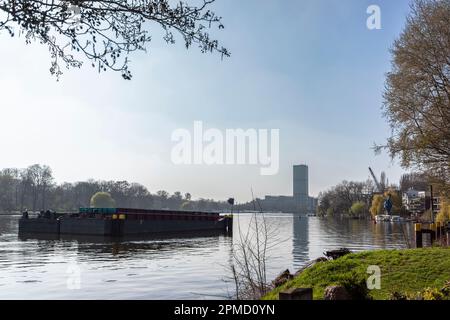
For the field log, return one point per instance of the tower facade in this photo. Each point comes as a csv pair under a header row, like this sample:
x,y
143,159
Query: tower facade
x,y
301,189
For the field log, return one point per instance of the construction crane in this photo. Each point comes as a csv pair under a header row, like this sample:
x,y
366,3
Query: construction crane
x,y
380,189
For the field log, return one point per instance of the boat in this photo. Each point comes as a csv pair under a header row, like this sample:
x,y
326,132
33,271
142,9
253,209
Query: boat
x,y
119,222
388,218
382,217
396,219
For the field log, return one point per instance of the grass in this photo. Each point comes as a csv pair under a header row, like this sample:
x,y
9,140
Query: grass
x,y
406,271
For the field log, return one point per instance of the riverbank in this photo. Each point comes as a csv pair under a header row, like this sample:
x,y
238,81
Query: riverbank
x,y
405,272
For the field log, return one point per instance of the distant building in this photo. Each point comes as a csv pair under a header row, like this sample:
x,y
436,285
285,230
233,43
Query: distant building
x,y
313,202
273,200
414,201
279,203
417,202
300,201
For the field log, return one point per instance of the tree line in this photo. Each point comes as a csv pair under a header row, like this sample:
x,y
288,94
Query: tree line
x,y
344,197
34,188
362,199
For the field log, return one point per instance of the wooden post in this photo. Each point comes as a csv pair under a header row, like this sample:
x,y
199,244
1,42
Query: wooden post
x,y
438,231
433,232
447,231
432,207
229,224
296,294
443,229
418,231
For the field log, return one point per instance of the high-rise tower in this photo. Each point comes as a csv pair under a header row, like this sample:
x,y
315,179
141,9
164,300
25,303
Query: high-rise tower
x,y
301,191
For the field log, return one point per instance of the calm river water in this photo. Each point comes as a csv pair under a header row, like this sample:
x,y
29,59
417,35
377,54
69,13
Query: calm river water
x,y
169,268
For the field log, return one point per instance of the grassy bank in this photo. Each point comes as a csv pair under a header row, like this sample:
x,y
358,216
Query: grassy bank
x,y
404,271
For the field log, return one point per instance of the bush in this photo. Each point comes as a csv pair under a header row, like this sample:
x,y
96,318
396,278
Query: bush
x,y
102,200
427,294
358,208
398,296
432,294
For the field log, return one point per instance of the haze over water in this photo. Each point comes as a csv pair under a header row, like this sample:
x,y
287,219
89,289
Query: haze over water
x,y
169,268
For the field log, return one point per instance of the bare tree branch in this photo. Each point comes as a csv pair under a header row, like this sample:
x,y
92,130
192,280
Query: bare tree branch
x,y
105,32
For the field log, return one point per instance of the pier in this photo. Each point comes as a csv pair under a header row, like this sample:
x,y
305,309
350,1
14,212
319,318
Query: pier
x,y
437,231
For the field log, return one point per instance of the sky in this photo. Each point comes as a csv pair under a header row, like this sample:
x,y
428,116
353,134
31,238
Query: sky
x,y
310,68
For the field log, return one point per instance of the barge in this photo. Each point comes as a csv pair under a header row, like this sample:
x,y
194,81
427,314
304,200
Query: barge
x,y
119,222
388,218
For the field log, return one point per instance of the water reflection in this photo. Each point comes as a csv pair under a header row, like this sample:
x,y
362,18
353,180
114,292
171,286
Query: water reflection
x,y
129,244
357,235
300,240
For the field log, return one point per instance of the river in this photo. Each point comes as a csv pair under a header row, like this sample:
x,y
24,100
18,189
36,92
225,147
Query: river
x,y
170,268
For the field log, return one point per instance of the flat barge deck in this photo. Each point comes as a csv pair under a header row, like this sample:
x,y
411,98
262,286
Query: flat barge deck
x,y
118,222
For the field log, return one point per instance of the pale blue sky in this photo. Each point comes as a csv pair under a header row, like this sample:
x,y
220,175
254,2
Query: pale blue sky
x,y
310,68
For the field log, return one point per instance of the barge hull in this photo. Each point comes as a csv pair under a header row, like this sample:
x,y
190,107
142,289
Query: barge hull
x,y
131,227
50,226
114,227
87,226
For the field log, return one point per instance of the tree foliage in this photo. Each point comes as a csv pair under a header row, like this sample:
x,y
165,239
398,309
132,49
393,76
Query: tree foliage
x,y
414,180
106,32
33,188
25,188
377,206
417,95
187,205
285,204
444,212
340,199
358,208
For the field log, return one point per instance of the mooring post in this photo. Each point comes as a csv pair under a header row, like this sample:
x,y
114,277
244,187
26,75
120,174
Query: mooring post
x,y
432,203
447,231
296,294
433,232
229,224
418,231
443,231
438,231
